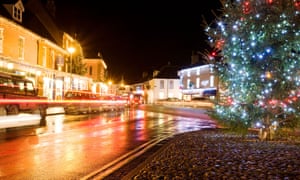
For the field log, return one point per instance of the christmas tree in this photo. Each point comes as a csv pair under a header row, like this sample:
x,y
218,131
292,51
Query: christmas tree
x,y
256,55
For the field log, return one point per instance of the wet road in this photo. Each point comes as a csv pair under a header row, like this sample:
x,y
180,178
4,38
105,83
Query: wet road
x,y
72,147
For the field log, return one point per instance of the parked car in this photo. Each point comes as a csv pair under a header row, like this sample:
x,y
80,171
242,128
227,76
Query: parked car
x,y
80,102
18,94
85,101
136,99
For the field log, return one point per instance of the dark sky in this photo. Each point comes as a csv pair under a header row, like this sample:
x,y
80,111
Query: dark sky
x,y
137,36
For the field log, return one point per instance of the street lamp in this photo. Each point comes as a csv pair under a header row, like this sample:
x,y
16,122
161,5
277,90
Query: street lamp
x,y
109,86
71,50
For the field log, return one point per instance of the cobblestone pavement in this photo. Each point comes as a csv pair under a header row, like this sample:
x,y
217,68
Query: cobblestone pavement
x,y
215,154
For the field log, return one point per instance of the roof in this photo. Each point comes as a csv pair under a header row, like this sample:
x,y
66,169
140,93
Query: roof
x,y
200,63
9,1
3,11
168,72
36,18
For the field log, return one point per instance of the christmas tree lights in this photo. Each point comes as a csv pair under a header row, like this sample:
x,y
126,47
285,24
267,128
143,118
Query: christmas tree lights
x,y
259,42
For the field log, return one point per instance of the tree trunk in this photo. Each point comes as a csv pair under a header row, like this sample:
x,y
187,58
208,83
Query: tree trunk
x,y
267,132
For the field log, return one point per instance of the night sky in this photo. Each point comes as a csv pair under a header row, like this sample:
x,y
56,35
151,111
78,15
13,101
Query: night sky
x,y
137,37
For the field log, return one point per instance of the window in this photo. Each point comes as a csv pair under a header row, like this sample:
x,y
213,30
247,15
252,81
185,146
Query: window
x,y
29,88
162,84
19,87
17,14
52,57
212,81
198,71
198,82
91,70
1,40
4,84
21,48
44,56
171,84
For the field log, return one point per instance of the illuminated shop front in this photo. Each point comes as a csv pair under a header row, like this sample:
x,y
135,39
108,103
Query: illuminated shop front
x,y
49,83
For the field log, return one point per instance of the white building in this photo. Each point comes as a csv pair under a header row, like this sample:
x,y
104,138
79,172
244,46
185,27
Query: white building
x,y
198,80
164,84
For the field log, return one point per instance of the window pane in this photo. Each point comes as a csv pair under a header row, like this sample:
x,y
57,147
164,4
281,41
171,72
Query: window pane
x,y
162,84
171,84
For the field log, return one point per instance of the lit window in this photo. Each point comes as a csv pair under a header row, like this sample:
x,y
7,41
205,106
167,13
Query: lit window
x,y
211,81
21,47
29,88
21,86
198,82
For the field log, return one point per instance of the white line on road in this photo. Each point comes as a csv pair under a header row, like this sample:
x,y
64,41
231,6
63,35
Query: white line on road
x,y
116,164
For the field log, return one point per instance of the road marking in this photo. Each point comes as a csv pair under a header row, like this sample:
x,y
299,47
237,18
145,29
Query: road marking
x,y
119,162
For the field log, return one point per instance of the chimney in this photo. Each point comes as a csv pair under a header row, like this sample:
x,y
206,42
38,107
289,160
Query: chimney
x,y
194,57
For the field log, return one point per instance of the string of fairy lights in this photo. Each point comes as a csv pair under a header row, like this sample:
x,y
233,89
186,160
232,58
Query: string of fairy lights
x,y
257,57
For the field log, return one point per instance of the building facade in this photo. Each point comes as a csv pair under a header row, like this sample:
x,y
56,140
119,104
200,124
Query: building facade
x,y
43,60
198,80
96,70
163,85
163,89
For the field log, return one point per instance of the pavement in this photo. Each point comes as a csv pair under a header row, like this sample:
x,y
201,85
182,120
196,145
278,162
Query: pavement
x,y
216,154
55,110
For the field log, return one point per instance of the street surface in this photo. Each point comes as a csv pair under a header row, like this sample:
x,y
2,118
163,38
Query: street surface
x,y
76,146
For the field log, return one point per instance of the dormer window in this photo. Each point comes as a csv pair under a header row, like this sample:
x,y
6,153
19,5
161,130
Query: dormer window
x,y
18,9
15,9
17,14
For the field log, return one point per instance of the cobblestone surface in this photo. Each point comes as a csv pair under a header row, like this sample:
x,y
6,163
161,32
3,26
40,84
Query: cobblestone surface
x,y
214,154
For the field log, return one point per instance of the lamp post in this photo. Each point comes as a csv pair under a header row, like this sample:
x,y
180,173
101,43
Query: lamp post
x,y
71,50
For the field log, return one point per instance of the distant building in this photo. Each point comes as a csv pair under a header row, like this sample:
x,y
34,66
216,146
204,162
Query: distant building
x,y
96,69
164,84
198,80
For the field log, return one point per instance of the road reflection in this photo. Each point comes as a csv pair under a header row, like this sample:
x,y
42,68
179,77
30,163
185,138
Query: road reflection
x,y
70,147
55,123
